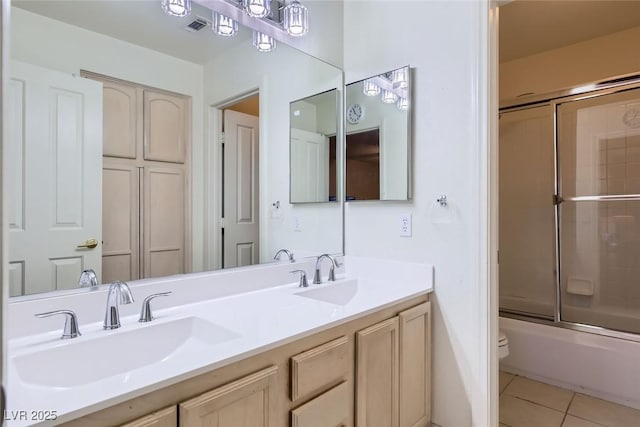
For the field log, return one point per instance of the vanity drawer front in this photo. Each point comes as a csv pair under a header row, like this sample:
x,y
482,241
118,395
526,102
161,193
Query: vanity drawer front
x,y
165,418
330,409
320,367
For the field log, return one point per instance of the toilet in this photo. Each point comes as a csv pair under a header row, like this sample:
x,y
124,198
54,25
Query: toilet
x,y
503,345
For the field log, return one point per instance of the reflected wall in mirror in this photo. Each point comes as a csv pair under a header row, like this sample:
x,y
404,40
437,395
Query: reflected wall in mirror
x,y
313,148
120,143
378,151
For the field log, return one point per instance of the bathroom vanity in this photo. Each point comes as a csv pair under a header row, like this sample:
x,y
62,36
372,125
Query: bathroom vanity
x,y
351,352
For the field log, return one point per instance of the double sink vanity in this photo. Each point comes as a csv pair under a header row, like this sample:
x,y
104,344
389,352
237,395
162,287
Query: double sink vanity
x,y
245,347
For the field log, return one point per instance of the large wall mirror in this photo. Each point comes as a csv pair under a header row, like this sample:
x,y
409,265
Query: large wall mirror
x,y
139,147
378,140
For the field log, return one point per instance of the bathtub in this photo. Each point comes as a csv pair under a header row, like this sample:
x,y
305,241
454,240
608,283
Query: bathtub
x,y
600,366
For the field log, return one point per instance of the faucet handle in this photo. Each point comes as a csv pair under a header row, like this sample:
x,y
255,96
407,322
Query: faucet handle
x,y
145,313
70,323
303,278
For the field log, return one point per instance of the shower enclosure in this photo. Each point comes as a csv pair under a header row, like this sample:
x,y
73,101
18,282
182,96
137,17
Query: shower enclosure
x,y
570,209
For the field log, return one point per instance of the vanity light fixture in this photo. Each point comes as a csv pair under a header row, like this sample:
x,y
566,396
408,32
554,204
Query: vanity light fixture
x,y
403,104
370,88
296,19
263,42
257,8
178,8
389,97
224,26
400,79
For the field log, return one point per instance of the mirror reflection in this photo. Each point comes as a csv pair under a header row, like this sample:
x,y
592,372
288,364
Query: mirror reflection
x,y
378,137
313,148
150,153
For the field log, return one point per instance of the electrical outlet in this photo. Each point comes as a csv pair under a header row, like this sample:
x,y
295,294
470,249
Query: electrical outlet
x,y
297,223
405,225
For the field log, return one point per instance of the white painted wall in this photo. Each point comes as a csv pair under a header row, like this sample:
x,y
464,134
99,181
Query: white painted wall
x,y
52,44
282,76
446,43
566,67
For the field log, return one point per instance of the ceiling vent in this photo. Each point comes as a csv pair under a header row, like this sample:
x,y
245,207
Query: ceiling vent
x,y
197,24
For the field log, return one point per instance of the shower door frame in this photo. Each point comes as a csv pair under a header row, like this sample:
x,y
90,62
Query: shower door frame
x,y
554,100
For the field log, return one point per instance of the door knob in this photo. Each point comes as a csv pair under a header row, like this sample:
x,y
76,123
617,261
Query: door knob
x,y
91,243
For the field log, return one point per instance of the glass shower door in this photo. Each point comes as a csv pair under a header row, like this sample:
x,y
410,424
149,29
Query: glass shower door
x,y
527,241
599,219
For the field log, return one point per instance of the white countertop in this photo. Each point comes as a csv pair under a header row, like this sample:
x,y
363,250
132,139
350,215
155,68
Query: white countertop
x,y
253,322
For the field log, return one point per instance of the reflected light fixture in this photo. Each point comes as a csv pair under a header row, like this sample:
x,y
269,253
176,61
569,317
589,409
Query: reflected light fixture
x,y
177,7
403,104
389,97
257,8
370,88
400,79
296,19
263,42
224,26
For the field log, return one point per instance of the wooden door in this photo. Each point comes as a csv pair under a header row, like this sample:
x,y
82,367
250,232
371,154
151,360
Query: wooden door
x,y
165,126
54,162
377,370
309,166
330,409
163,219
165,418
120,220
415,366
241,199
243,403
121,119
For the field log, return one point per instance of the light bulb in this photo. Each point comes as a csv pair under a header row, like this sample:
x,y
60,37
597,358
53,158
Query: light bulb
x,y
370,88
177,7
263,42
389,97
257,8
224,26
400,78
296,19
403,104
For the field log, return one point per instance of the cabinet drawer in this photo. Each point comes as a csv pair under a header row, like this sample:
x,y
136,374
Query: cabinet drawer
x,y
330,409
320,367
165,418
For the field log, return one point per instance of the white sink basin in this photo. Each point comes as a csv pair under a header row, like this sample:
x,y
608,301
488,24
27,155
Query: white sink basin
x,y
340,293
82,361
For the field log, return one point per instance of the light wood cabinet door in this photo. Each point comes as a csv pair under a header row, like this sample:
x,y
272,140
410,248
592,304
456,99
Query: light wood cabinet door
x,y
415,366
330,409
165,126
121,119
377,370
165,418
243,403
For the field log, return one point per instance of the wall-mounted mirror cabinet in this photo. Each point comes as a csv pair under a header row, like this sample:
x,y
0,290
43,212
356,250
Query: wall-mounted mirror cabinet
x,y
378,137
115,161
313,134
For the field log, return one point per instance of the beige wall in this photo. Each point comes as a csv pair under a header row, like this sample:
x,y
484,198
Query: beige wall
x,y
581,63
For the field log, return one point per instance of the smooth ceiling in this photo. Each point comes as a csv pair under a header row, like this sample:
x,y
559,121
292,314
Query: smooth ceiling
x,y
528,27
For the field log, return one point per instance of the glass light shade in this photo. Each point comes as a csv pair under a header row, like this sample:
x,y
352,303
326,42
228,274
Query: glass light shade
x,y
389,97
296,19
400,78
403,104
370,88
263,42
177,7
257,8
224,26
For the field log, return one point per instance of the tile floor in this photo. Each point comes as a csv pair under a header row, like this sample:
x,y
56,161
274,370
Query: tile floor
x,y
528,403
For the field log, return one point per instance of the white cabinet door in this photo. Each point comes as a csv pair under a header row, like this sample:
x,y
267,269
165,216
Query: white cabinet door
x,y
54,167
309,167
241,211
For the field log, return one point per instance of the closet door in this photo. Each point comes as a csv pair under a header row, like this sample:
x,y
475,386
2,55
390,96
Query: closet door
x,y
120,213
163,219
121,119
165,126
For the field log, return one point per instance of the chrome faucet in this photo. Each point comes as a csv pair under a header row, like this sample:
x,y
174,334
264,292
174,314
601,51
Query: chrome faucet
x,y
118,291
70,323
284,251
317,278
88,279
